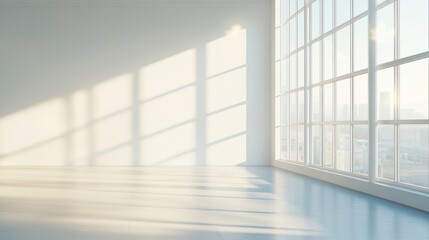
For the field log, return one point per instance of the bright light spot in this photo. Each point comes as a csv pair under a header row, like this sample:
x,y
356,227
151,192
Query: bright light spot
x,y
235,29
226,53
168,74
373,34
226,89
112,95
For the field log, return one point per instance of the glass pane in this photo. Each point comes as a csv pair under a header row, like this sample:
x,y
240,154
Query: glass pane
x,y
284,109
327,146
385,34
292,7
315,19
293,107
301,106
414,27
300,29
343,100
360,149
360,97
284,143
413,90
342,143
293,144
386,152
342,11
278,109
360,44
316,146
327,15
343,51
284,74
301,68
315,106
300,4
327,57
300,143
385,87
307,23
284,40
307,60
315,62
278,80
413,155
359,6
292,34
327,102
284,10
292,72
277,143
277,50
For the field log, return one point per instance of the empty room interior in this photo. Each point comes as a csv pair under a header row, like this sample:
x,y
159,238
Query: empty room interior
x,y
214,119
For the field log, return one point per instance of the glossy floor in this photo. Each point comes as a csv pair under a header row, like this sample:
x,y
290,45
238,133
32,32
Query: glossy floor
x,y
201,203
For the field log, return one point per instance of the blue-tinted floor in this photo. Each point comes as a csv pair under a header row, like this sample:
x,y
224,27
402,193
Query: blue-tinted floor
x,y
204,203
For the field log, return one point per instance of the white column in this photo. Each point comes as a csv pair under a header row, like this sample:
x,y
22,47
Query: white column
x,y
372,90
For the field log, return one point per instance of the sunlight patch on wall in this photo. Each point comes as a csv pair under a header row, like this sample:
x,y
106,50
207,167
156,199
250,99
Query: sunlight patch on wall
x,y
80,149
168,74
168,111
228,152
79,107
226,124
174,146
32,126
112,95
51,153
226,53
121,156
226,90
112,132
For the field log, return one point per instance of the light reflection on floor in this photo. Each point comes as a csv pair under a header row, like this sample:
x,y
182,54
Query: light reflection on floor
x,y
192,203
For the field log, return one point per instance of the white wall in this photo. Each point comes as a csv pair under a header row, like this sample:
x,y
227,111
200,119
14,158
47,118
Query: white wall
x,y
135,82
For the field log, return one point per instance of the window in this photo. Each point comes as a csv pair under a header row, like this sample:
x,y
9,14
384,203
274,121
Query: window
x,y
334,50
292,61
403,93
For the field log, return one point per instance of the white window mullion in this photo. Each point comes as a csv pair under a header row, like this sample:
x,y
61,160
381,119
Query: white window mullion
x,y
307,98
397,83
